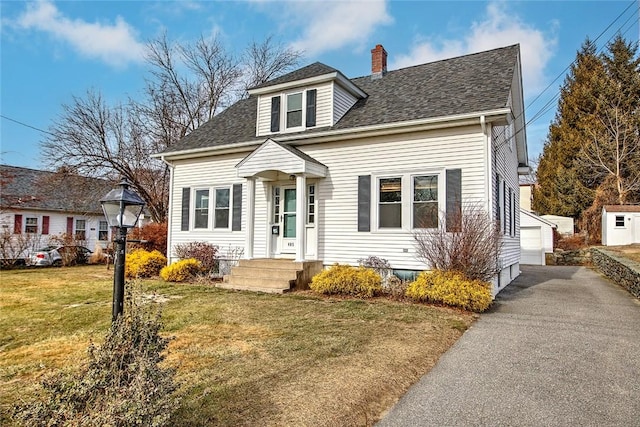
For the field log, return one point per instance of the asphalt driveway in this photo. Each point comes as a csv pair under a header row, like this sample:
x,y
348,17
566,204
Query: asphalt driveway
x,y
560,348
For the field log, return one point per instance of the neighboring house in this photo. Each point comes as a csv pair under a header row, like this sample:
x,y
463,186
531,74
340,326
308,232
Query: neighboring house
x,y
620,225
536,238
564,224
38,208
319,168
526,192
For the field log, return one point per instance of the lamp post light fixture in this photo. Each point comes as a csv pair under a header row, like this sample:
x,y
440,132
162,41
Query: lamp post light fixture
x,y
122,208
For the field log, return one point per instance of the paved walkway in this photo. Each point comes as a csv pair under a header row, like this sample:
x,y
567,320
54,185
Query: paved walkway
x,y
560,348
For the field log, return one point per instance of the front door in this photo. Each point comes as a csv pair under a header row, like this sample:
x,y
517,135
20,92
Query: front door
x,y
286,205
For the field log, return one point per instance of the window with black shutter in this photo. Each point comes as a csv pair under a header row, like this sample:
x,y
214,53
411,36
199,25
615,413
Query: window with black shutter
x,y
311,107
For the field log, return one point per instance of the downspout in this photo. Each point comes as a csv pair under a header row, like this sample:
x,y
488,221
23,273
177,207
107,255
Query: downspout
x,y
170,211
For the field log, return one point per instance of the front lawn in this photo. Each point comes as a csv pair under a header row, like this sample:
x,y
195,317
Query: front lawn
x,y
242,358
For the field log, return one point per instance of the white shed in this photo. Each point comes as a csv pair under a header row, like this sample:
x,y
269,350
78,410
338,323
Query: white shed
x,y
620,225
536,238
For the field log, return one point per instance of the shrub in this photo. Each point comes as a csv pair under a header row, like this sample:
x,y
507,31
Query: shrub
x,y
141,263
153,237
347,280
451,288
470,243
181,271
204,252
121,383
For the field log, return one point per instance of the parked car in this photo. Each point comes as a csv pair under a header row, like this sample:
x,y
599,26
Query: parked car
x,y
47,256
73,254
60,255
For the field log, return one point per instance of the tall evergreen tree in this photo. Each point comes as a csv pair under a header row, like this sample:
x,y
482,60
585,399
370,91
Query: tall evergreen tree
x,y
561,189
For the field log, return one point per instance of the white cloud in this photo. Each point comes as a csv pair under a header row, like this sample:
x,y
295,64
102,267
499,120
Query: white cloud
x,y
332,25
497,29
114,44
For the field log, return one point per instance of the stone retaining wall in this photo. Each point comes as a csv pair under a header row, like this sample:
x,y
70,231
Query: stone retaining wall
x,y
622,271
577,257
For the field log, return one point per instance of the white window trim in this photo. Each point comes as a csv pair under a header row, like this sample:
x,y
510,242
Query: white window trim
x,y
211,207
37,224
283,110
76,229
624,220
229,188
407,198
100,231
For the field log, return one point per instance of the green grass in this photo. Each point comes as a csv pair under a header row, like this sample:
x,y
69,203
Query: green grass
x,y
242,358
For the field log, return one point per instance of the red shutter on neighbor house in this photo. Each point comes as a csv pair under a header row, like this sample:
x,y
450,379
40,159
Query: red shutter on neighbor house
x,y
45,224
17,224
70,226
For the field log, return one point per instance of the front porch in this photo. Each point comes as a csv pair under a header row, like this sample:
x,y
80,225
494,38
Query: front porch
x,y
271,275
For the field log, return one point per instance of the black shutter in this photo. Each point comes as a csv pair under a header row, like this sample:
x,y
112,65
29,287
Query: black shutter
x,y
186,194
364,203
454,199
311,107
236,221
275,114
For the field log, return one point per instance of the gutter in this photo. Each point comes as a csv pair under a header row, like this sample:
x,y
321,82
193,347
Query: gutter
x,y
344,134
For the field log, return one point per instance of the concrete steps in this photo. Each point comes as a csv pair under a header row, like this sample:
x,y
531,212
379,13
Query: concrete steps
x,y
271,275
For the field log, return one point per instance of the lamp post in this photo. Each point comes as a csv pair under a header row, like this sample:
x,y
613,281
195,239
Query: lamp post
x,y
122,208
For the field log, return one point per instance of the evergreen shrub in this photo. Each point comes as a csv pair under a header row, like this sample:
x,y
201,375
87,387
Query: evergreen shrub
x,y
142,263
451,288
181,271
346,280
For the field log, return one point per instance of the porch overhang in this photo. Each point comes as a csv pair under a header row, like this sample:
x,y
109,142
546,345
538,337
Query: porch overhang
x,y
274,156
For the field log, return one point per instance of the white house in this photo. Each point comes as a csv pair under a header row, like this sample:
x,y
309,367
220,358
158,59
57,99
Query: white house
x,y
318,168
38,208
620,225
536,238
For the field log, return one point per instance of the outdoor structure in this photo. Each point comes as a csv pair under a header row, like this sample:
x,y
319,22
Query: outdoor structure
x,y
564,224
536,238
40,208
620,225
317,168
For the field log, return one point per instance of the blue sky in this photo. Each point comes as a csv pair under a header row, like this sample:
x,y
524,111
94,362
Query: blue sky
x,y
51,51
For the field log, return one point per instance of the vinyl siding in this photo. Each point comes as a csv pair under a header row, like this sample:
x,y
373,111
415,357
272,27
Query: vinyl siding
x,y
505,163
342,102
323,109
214,172
339,239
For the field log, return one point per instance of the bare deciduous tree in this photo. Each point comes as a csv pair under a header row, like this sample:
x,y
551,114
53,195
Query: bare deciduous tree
x,y
614,148
187,85
472,249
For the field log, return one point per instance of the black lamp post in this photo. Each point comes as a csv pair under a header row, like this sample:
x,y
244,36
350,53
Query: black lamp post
x,y
122,208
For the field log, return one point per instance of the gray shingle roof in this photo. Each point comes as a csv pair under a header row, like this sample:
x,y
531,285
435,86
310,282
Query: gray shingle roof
x,y
463,85
312,70
23,188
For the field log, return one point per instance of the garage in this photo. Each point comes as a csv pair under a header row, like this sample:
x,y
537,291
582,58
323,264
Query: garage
x,y
536,238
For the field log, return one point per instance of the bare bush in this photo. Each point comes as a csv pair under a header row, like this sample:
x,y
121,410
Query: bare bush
x,y
206,253
121,384
471,249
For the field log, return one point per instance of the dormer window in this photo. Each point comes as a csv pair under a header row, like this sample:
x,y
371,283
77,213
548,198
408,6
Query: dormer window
x,y
294,111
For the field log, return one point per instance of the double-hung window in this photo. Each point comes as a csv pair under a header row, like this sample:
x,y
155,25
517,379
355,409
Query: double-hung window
x,y
222,199
31,225
294,110
103,230
390,208
201,211
81,229
425,201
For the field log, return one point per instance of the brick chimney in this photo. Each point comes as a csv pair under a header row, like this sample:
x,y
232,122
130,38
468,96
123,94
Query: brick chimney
x,y
378,62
